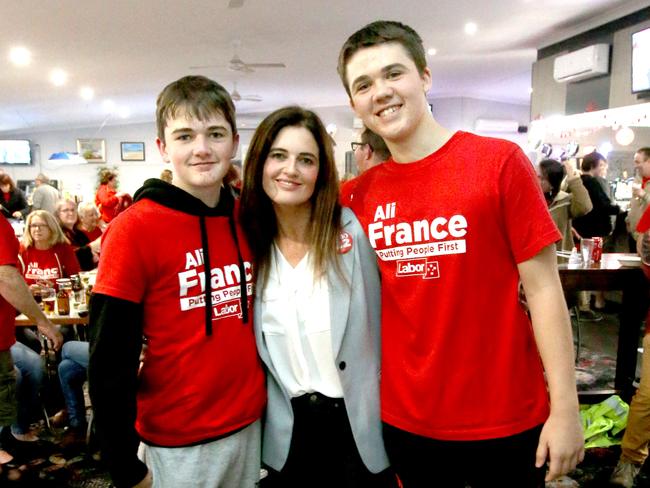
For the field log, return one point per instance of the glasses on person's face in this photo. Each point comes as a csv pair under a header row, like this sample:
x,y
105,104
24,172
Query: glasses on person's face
x,y
357,145
38,226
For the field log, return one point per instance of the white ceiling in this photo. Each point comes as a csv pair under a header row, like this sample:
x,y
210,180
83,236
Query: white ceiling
x,y
128,50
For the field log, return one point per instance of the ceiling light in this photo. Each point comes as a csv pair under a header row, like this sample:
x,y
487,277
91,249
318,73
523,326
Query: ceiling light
x,y
108,106
123,112
471,28
87,93
20,56
432,51
588,150
605,148
58,77
625,136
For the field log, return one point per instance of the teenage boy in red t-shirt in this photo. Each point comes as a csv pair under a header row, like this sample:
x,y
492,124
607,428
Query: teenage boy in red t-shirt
x,y
457,220
197,399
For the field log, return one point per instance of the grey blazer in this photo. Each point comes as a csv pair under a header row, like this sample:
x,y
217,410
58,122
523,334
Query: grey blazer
x,y
355,316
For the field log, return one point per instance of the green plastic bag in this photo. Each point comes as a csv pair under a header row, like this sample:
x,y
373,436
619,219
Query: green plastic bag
x,y
603,422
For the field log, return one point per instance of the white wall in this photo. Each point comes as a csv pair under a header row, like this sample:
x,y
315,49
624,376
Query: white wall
x,y
81,180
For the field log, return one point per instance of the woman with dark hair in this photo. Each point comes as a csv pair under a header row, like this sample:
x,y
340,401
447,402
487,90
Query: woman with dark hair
x,y
12,199
563,205
87,251
317,311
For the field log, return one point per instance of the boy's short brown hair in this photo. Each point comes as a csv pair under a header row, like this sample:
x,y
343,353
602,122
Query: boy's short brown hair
x,y
380,32
198,97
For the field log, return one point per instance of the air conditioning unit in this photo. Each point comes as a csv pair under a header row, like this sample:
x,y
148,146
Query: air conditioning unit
x,y
495,125
582,64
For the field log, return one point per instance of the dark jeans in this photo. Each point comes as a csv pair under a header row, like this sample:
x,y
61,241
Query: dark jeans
x,y
421,462
323,452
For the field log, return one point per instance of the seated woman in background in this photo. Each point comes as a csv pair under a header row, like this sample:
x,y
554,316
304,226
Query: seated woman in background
x,y
45,255
563,205
317,311
89,221
87,251
12,199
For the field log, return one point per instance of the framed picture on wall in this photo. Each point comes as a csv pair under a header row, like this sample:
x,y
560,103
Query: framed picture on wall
x,y
92,150
132,151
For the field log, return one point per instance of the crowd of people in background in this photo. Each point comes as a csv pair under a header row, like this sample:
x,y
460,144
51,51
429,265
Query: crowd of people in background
x,y
274,318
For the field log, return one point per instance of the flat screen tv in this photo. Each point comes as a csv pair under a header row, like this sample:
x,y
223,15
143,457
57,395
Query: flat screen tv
x,y
15,151
641,61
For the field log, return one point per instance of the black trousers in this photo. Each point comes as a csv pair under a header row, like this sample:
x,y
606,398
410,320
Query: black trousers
x,y
323,452
421,462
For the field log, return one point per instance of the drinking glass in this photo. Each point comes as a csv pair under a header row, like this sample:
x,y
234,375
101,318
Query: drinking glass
x,y
587,251
48,297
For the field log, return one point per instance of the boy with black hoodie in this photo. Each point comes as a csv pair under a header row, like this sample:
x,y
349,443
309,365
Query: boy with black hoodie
x,y
199,394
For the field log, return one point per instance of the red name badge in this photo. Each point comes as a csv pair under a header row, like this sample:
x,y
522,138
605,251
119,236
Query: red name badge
x,y
345,242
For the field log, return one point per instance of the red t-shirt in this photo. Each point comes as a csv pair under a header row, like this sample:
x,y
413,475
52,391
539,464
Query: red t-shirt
x,y
59,261
346,191
459,360
192,386
8,257
107,202
93,234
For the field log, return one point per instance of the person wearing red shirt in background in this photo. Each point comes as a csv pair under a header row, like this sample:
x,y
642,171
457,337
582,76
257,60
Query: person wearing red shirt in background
x,y
14,295
634,447
458,221
640,193
87,251
12,199
45,252
89,220
197,400
108,201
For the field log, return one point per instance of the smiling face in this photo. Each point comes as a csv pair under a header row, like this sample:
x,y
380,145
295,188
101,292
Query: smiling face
x,y
67,214
643,164
200,152
291,168
89,219
387,92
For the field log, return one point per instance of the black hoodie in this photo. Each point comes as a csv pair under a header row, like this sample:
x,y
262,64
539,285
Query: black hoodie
x,y
114,383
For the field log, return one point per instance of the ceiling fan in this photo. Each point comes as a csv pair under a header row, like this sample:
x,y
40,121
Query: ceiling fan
x,y
237,64
237,97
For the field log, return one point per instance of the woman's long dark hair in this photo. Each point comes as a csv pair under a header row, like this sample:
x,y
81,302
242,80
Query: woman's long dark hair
x,y
256,210
552,171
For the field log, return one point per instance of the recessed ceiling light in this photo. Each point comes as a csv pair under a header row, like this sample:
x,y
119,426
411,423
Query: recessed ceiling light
x,y
108,105
87,93
58,77
432,51
471,28
20,56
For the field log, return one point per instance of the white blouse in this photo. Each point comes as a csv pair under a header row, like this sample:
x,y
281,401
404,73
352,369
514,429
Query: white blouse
x,y
296,327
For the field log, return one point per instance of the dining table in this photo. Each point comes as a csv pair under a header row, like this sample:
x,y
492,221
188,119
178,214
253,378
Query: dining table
x,y
615,272
72,319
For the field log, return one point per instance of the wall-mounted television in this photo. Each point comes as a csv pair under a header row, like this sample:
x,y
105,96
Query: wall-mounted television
x,y
15,151
641,61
